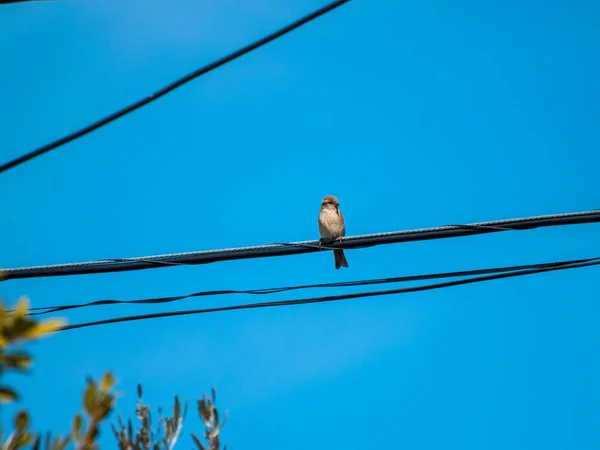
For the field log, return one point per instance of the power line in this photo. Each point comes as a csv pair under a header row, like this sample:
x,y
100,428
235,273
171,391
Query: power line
x,y
326,298
6,2
224,60
53,309
294,248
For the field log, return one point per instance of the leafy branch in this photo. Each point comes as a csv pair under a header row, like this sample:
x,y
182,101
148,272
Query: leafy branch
x,y
98,401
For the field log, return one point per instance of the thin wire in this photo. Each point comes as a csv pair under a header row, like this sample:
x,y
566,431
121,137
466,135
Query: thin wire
x,y
6,2
331,298
232,56
294,248
53,309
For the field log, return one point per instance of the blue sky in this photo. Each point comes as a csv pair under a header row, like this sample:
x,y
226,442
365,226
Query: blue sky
x,y
414,114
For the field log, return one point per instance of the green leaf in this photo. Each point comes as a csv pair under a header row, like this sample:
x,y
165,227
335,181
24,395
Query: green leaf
x,y
7,395
203,410
21,327
139,391
18,361
89,398
176,409
21,421
169,428
107,382
214,395
22,307
104,406
197,441
25,439
44,328
77,425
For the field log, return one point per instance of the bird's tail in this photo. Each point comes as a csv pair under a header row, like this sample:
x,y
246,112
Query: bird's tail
x,y
340,259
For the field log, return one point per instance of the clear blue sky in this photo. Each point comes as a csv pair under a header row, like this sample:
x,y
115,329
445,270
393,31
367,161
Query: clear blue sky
x,y
414,114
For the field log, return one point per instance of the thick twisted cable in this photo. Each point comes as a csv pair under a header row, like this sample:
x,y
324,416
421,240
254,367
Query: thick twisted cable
x,y
290,248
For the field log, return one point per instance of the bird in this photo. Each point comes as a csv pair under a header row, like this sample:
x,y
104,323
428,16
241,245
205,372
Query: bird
x,y
332,226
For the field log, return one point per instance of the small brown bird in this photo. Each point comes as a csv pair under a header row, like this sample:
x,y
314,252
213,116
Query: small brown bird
x,y
331,226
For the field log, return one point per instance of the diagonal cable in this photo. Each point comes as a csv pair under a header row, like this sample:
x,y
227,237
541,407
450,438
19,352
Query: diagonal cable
x,y
157,300
330,298
122,112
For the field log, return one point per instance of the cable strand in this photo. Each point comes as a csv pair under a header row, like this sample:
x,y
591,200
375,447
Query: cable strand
x,y
325,298
294,248
41,310
174,85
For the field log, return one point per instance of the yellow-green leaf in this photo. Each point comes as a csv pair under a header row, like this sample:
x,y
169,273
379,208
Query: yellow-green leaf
x,y
18,361
77,424
203,410
21,420
7,395
104,407
176,409
22,307
107,382
216,416
19,328
44,328
89,398
24,439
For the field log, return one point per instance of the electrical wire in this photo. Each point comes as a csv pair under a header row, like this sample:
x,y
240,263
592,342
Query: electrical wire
x,y
324,299
294,248
6,2
224,60
53,309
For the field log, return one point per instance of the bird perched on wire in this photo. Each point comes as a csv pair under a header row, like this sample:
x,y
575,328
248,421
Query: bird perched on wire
x,y
332,226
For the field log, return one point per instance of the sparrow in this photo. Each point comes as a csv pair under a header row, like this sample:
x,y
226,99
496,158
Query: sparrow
x,y
331,226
